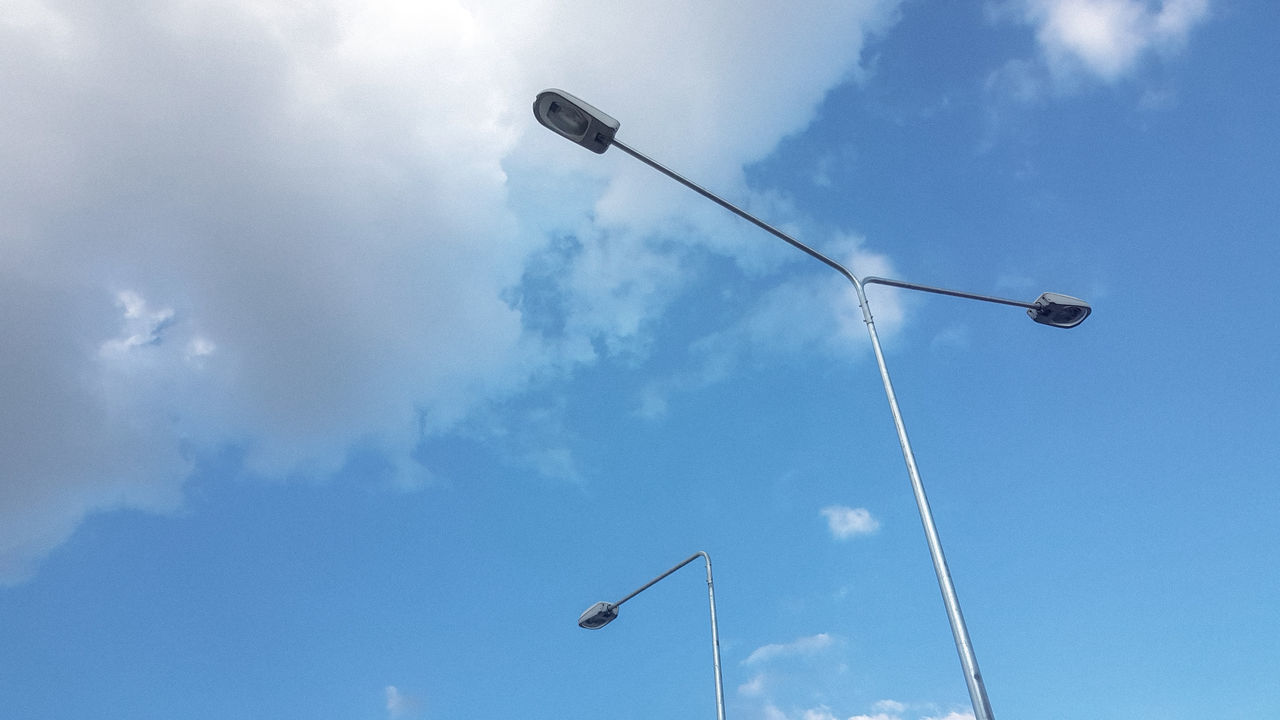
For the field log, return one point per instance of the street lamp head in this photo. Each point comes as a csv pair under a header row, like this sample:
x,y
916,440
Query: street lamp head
x,y
574,119
1061,311
598,615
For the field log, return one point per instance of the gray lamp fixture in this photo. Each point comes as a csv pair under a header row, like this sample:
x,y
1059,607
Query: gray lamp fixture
x,y
1058,310
598,615
569,117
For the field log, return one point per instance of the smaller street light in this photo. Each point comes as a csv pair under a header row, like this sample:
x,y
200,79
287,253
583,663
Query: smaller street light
x,y
603,613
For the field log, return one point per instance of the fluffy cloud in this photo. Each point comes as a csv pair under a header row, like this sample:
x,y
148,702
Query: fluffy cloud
x,y
847,522
754,687
885,710
1108,36
401,705
1083,42
1101,38
295,227
800,647
807,314
763,694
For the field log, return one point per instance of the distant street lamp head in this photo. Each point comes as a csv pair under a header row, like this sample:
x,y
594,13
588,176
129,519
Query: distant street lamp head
x,y
1061,311
569,117
598,615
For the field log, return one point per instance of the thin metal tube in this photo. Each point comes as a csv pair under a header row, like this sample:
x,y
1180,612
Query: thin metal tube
x,y
736,210
872,280
951,601
655,581
715,640
715,631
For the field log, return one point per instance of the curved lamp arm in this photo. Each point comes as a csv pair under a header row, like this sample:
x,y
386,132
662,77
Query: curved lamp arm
x,y
582,123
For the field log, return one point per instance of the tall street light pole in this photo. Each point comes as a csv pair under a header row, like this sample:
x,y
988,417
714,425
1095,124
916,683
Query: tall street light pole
x,y
603,613
583,124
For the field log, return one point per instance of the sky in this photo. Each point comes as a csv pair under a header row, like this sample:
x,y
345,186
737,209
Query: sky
x,y
335,387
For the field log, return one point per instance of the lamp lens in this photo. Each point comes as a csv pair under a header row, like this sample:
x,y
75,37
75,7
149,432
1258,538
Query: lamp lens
x,y
567,119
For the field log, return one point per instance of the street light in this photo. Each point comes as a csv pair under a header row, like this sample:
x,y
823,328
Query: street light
x,y
603,613
583,124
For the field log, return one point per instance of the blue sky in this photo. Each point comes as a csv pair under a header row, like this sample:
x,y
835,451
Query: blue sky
x,y
336,387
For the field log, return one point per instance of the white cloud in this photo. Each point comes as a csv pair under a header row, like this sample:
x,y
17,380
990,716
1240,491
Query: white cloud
x,y
772,712
142,325
754,687
883,710
1105,38
401,705
800,647
815,312
788,318
889,706
847,522
318,219
1081,42
1105,35
823,712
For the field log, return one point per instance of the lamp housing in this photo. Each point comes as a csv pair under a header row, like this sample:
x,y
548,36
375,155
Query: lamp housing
x,y
571,118
1059,310
598,615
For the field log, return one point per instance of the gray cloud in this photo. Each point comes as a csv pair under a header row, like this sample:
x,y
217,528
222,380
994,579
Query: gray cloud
x,y
293,227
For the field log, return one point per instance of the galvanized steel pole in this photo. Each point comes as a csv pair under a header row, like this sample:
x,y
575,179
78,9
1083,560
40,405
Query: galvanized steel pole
x,y
959,631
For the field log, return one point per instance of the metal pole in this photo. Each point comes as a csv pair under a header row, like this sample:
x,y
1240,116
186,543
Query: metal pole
x,y
715,640
959,631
